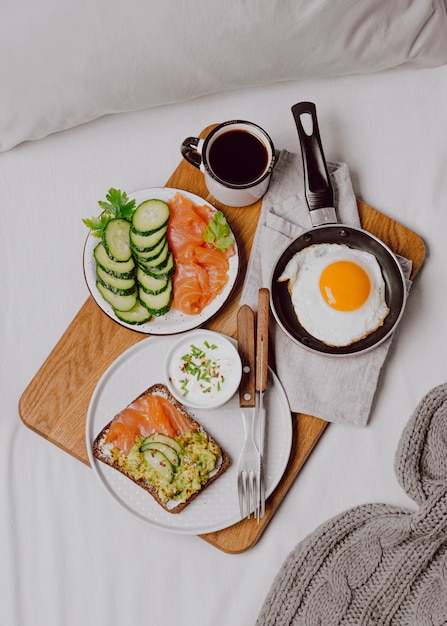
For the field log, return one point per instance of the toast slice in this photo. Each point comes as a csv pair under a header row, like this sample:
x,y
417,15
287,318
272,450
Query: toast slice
x,y
173,481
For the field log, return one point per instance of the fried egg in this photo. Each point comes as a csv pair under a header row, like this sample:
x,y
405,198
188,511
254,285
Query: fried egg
x,y
337,292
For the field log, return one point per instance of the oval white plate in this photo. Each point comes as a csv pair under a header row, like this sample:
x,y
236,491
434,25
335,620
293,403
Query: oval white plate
x,y
217,507
175,321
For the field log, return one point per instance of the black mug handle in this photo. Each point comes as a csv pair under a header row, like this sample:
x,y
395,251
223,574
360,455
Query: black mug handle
x,y
189,151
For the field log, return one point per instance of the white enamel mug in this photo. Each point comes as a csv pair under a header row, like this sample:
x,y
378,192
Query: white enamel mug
x,y
236,159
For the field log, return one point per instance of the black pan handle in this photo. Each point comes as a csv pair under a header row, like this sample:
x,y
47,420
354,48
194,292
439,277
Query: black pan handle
x,y
317,184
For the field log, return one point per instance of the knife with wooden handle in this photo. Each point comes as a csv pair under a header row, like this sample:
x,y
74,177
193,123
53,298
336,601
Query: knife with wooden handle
x,y
262,354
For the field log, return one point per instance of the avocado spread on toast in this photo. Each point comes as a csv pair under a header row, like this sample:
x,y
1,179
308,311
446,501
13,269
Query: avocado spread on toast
x,y
198,458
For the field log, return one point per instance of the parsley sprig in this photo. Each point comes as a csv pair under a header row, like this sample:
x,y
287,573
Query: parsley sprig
x,y
218,232
118,205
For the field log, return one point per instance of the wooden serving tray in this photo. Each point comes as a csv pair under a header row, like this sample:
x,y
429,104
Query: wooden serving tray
x,y
56,401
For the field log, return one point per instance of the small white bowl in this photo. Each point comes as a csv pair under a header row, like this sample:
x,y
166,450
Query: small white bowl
x,y
203,369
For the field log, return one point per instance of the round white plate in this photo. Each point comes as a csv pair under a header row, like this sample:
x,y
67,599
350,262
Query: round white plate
x,y
217,507
175,321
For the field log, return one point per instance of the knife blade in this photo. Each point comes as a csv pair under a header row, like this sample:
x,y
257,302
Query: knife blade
x,y
262,353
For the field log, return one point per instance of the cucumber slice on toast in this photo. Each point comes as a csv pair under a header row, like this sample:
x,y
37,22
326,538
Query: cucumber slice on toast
x,y
162,438
165,449
160,463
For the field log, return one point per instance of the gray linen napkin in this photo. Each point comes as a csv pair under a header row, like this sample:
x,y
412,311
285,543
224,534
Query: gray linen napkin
x,y
334,389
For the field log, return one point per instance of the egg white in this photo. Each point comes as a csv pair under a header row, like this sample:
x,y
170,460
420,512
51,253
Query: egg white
x,y
333,327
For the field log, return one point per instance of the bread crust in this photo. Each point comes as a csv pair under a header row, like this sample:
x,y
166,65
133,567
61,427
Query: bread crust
x,y
101,452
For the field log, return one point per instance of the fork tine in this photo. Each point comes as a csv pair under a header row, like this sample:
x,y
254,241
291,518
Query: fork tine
x,y
249,485
257,494
248,491
250,494
257,510
247,495
253,495
242,492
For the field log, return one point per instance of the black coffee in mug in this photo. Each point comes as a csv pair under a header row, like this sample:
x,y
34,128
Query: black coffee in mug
x,y
238,157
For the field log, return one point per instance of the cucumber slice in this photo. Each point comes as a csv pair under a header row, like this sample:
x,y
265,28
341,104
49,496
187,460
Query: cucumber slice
x,y
151,254
149,216
145,243
118,301
116,239
117,284
165,449
162,438
121,269
137,315
157,261
161,272
150,284
160,463
119,292
158,304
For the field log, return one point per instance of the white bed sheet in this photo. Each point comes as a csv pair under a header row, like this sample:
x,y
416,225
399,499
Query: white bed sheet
x,y
69,554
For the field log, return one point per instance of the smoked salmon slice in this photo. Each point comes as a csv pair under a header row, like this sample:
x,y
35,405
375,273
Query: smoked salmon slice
x,y
191,288
177,420
149,413
186,225
201,269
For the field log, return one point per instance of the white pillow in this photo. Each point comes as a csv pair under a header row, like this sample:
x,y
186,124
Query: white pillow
x,y
66,62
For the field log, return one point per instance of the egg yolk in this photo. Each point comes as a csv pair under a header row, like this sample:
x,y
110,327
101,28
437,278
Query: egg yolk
x,y
344,285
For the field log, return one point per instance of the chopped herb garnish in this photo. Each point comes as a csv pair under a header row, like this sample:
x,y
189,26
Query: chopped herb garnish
x,y
183,385
205,370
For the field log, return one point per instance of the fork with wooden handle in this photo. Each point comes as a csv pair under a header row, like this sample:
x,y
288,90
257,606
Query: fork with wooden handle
x,y
249,464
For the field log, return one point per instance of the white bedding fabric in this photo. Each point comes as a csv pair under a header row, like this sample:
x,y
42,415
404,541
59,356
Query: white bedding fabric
x,y
62,64
69,555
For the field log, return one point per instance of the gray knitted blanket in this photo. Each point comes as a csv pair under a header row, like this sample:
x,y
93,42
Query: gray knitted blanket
x,y
378,564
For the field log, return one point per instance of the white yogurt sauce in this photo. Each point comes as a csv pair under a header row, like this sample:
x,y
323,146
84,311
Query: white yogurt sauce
x,y
204,370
